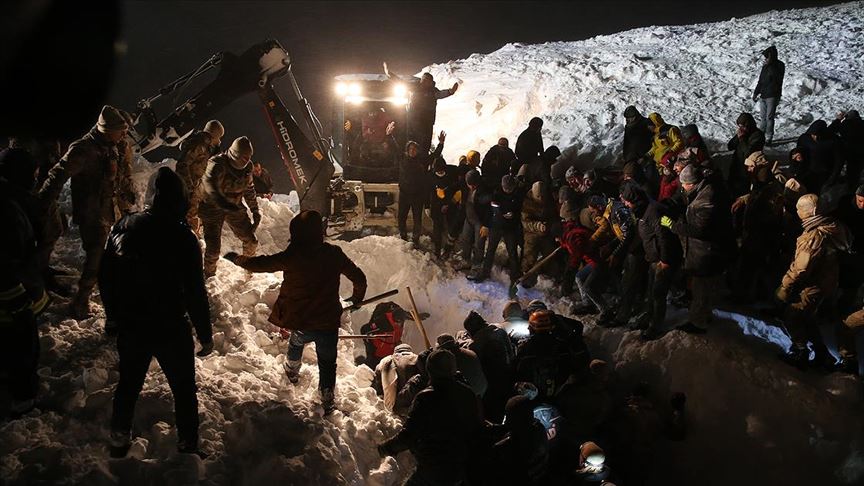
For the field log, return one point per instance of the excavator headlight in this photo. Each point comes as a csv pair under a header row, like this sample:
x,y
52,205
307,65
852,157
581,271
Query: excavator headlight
x,y
354,89
341,89
400,91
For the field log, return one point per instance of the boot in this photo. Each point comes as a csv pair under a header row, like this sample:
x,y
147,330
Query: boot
x,y
292,371
119,444
80,306
328,400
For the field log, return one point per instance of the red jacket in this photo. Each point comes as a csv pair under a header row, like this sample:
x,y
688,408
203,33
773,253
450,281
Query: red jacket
x,y
576,239
668,187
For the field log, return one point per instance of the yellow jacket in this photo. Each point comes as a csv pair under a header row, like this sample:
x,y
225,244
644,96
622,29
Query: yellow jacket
x,y
667,138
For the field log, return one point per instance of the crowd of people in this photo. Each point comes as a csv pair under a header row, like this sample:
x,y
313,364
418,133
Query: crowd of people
x,y
496,403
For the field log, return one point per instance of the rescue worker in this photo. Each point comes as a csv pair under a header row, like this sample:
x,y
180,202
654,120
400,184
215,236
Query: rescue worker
x,y
308,302
638,135
549,357
537,222
262,181
475,228
467,363
584,266
811,279
496,354
387,318
529,145
521,457
705,230
413,186
442,427
497,163
99,164
505,222
748,139
195,152
391,376
150,280
850,128
227,183
446,194
22,299
422,107
667,138
768,90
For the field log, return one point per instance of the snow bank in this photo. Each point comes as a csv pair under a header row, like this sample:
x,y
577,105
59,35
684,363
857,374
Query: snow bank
x,y
702,74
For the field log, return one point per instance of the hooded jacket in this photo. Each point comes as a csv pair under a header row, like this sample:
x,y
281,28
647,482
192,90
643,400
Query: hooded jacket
x,y
414,171
770,84
815,268
638,137
226,187
705,231
667,138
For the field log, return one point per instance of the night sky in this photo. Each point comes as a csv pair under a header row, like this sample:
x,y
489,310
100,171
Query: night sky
x,y
165,40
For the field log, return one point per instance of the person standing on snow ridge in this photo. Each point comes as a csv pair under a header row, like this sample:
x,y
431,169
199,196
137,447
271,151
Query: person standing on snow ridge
x,y
423,106
308,302
768,90
150,279
100,166
227,183
413,186
529,145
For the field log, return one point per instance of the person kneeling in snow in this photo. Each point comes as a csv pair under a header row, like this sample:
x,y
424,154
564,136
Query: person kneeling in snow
x,y
442,428
150,278
308,302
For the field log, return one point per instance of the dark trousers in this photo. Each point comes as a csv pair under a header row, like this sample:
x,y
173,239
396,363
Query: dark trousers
x,y
19,356
325,348
413,203
442,229
633,284
473,243
511,242
659,282
176,356
93,238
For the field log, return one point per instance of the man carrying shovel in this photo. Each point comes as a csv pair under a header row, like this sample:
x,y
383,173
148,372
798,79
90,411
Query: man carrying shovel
x,y
308,302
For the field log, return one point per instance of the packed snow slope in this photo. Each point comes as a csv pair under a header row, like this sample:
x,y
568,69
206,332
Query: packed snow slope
x,y
702,74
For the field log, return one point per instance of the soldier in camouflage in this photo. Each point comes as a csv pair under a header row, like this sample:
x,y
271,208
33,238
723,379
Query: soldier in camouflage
x,y
195,151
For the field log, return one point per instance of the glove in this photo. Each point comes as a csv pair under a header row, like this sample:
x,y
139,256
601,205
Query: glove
x,y
782,294
231,256
484,232
541,227
666,222
206,349
256,220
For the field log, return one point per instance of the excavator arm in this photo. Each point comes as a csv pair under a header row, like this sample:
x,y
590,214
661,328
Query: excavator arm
x,y
308,161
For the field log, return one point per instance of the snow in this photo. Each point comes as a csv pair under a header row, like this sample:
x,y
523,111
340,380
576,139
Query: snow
x,y
753,419
702,74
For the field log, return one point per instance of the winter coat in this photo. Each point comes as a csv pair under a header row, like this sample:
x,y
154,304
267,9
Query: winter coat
x,y
391,376
667,138
446,190
752,141
493,348
521,457
309,296
616,228
658,242
441,431
152,276
815,269
497,163
705,231
852,263
21,283
477,210
638,139
535,216
226,187
469,365
762,219
195,152
386,318
414,172
669,186
549,359
503,203
424,101
529,146
770,84
101,174
576,239
851,132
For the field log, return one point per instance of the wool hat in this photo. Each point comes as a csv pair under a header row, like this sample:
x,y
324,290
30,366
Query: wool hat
x,y
239,148
536,305
512,309
111,120
597,201
541,321
170,196
631,112
307,228
690,175
508,183
441,364
403,347
473,322
445,338
215,128
569,211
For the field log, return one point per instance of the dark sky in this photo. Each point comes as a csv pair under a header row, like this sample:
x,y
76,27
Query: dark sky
x,y
167,39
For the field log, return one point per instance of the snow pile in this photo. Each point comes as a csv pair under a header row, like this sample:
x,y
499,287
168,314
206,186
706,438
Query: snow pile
x,y
702,74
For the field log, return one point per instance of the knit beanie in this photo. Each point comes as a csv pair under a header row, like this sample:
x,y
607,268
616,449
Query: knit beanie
x,y
111,120
441,364
215,128
473,322
536,305
239,148
508,183
472,178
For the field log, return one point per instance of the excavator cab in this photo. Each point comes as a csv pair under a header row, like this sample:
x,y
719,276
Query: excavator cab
x,y
369,134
